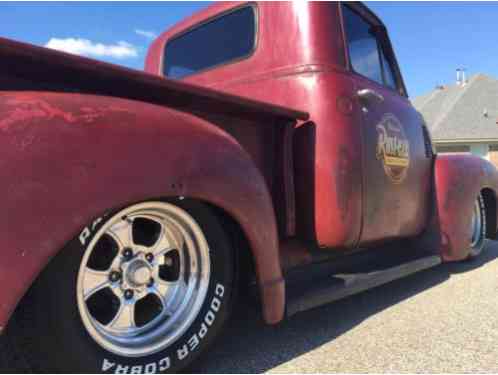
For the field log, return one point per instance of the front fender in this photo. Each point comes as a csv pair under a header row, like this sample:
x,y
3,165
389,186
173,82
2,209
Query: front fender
x,y
68,158
459,178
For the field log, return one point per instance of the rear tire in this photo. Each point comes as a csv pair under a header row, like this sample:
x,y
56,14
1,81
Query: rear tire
x,y
57,330
478,228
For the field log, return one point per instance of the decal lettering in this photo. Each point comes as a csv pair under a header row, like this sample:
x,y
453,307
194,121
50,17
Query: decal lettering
x,y
107,365
164,364
182,352
203,330
191,344
86,233
136,370
215,304
393,148
151,368
84,236
208,320
219,290
120,369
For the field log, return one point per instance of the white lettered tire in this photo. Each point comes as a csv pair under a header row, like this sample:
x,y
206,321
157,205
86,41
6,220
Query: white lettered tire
x,y
477,228
97,308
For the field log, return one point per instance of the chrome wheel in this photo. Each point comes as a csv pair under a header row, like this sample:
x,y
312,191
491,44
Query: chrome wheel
x,y
477,230
143,279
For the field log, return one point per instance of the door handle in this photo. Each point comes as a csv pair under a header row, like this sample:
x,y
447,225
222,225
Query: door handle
x,y
369,95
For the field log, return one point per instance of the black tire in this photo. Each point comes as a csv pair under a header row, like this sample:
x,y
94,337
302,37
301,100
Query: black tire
x,y
477,248
48,332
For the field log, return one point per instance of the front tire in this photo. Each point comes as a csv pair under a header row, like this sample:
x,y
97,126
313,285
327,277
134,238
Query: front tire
x,y
477,228
142,290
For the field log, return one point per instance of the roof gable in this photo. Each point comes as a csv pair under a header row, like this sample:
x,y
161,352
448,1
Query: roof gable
x,y
458,112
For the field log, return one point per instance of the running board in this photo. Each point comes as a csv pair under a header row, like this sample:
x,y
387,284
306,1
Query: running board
x,y
342,285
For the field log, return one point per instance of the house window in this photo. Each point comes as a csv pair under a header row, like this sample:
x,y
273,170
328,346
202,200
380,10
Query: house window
x,y
223,40
493,154
453,148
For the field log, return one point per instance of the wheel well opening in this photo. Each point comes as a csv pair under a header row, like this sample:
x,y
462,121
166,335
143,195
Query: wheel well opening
x,y
245,268
244,261
489,198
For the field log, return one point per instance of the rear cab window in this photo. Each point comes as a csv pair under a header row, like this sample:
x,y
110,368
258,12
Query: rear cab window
x,y
226,39
367,54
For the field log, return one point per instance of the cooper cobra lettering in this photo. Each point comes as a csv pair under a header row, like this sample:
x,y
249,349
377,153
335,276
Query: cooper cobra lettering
x,y
184,350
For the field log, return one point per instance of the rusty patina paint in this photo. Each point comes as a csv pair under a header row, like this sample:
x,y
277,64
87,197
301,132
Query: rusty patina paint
x,y
129,136
23,107
459,178
89,154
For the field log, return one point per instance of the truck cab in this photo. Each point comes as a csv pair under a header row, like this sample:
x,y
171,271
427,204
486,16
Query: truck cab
x,y
363,163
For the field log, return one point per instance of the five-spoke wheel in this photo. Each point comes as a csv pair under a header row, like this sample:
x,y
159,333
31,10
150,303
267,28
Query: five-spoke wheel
x,y
145,289
143,279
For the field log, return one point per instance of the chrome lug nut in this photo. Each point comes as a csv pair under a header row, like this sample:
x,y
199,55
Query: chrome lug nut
x,y
168,261
128,253
149,257
128,294
114,276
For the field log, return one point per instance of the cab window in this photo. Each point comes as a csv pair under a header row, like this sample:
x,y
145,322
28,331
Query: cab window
x,y
226,39
389,77
366,55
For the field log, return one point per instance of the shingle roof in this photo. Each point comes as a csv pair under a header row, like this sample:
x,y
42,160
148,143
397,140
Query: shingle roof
x,y
458,112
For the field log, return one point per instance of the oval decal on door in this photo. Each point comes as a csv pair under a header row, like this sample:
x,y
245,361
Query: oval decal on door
x,y
393,148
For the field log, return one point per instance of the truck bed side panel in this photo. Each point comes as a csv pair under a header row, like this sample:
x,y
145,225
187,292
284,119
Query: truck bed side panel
x,y
69,158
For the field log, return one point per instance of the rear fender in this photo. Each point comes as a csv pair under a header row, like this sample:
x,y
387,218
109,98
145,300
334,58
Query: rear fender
x,y
459,178
68,158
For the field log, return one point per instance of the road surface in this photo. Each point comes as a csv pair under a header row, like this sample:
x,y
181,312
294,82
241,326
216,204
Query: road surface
x,y
441,320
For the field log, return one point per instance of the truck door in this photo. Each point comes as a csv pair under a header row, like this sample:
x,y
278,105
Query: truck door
x,y
396,158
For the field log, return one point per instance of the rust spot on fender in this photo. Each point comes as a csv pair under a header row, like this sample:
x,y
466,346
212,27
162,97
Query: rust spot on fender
x,y
26,107
21,108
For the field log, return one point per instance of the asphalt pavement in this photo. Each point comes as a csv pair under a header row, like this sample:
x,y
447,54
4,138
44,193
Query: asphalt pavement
x,y
440,320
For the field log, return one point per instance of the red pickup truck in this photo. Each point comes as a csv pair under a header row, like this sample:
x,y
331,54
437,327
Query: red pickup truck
x,y
266,144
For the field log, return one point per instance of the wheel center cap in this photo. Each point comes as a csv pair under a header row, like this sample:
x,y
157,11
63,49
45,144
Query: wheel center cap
x,y
138,273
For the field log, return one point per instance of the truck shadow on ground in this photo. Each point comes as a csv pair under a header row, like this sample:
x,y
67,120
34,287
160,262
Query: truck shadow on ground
x,y
250,346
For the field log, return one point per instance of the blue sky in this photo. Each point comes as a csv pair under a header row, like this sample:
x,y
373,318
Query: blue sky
x,y
431,39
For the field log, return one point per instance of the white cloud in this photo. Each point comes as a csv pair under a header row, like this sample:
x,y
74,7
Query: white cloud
x,y
145,33
85,47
